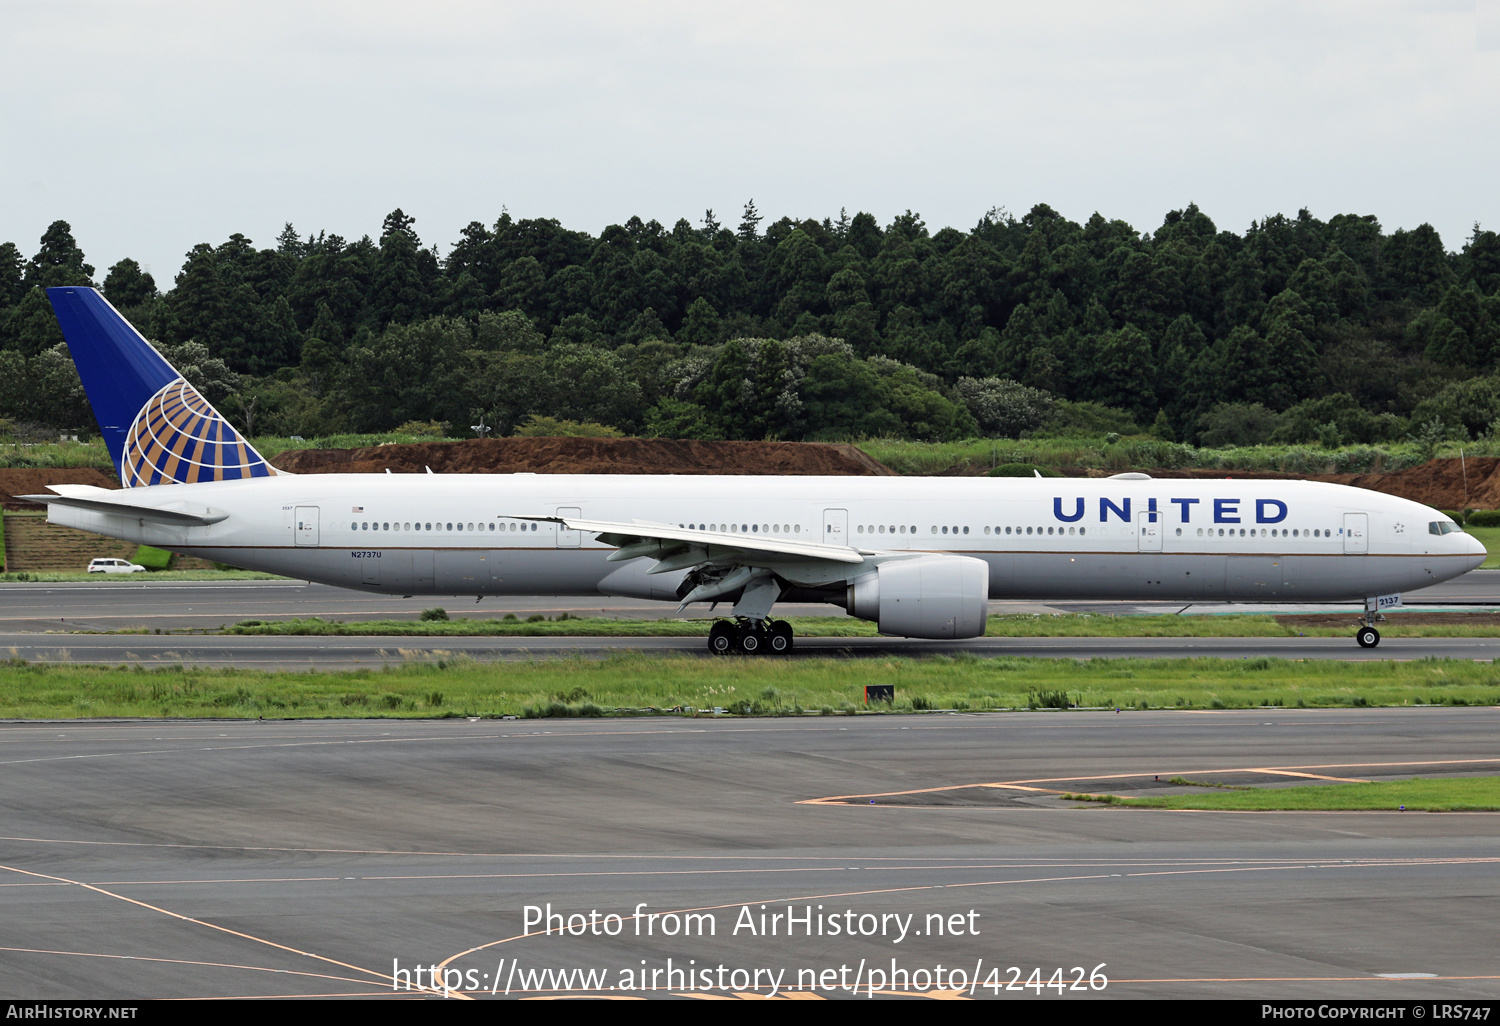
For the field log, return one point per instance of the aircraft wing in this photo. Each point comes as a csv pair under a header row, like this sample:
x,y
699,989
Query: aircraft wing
x,y
676,548
107,500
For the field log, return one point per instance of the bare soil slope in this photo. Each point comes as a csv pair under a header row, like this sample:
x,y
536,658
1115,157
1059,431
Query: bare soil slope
x,y
587,456
35,482
1438,483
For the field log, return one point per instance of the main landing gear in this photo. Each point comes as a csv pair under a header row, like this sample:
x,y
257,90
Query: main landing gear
x,y
750,636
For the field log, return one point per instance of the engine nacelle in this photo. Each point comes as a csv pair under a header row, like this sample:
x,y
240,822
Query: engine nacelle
x,y
925,597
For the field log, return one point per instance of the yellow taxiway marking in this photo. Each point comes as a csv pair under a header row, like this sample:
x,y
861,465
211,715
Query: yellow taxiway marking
x,y
199,922
1021,785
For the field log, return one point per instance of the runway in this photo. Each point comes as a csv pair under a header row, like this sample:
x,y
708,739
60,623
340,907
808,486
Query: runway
x,y
134,603
347,653
194,859
64,622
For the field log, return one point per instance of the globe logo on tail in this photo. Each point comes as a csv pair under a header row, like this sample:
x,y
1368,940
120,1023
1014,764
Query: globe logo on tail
x,y
178,437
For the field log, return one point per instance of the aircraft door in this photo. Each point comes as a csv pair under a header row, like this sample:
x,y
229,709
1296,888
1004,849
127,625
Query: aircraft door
x,y
1148,532
307,525
835,527
1356,534
567,539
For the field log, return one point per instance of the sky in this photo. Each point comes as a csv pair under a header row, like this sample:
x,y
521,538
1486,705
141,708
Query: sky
x,y
153,126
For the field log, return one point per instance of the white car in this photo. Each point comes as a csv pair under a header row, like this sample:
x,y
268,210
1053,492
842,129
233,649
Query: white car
x,y
114,566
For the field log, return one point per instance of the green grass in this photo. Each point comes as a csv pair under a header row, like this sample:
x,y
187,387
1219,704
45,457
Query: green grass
x,y
153,558
1448,794
629,683
1242,625
56,455
1489,537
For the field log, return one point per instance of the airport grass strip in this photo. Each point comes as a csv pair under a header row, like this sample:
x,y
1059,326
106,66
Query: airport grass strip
x,y
1010,626
637,683
1449,794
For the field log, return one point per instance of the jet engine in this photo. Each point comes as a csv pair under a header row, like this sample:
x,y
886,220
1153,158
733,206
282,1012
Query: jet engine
x,y
924,597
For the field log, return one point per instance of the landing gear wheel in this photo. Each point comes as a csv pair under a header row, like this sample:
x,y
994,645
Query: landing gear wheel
x,y
779,639
722,637
1368,637
752,641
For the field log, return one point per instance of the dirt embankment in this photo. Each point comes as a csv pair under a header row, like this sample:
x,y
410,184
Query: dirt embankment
x,y
1437,483
35,482
587,456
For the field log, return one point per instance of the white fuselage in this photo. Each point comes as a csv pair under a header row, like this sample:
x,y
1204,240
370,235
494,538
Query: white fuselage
x,y
1042,538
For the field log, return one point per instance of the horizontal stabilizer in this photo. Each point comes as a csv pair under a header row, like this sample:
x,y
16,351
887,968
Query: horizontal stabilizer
x,y
101,500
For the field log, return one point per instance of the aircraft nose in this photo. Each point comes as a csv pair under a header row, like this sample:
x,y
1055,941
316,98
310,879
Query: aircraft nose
x,y
1476,549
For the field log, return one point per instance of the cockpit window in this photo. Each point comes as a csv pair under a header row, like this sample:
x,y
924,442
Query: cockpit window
x,y
1443,527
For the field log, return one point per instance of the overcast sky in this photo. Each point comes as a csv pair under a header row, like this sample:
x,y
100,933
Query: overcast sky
x,y
151,126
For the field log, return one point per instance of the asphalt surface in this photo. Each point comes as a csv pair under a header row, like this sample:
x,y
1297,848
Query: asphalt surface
x,y
131,603
196,859
64,622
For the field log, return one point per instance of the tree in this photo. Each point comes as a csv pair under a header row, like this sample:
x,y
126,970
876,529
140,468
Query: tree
x,y
12,274
289,243
1480,261
127,285
410,372
1233,424
1004,408
1306,421
1466,409
1416,264
400,291
59,261
749,222
702,325
1125,374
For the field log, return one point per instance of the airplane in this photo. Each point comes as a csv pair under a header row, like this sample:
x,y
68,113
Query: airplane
x,y
919,557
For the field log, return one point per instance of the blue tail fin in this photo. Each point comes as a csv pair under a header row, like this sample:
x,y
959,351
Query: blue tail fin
x,y
158,428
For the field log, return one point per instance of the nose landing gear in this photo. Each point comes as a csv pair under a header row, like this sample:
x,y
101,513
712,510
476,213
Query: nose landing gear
x,y
751,637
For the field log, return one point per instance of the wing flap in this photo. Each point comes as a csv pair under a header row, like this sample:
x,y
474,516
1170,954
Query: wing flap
x,y
637,537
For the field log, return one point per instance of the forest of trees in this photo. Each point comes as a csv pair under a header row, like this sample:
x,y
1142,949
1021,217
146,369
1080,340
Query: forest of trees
x,y
1299,330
